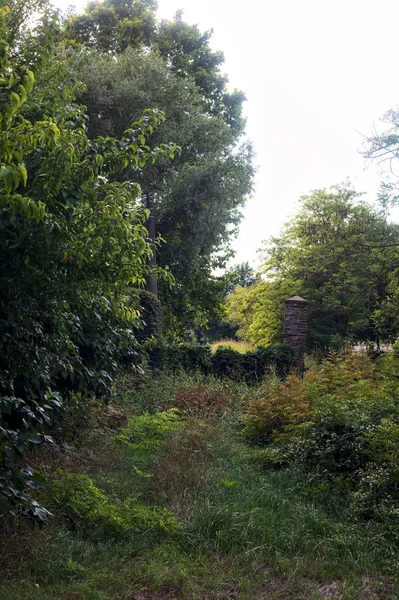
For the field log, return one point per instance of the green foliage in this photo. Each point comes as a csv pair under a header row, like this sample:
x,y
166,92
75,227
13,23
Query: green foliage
x,y
84,504
257,311
187,357
21,428
240,274
22,22
340,424
338,253
197,202
112,26
73,246
250,367
146,432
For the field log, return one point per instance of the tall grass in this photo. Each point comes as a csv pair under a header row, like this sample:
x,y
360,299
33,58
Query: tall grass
x,y
237,345
245,533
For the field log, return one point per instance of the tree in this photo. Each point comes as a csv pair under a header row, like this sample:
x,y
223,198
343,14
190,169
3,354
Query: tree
x,y
339,254
20,20
112,26
241,274
384,147
74,252
257,312
189,54
198,199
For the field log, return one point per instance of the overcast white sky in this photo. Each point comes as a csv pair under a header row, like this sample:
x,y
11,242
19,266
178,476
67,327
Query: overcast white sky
x,y
316,73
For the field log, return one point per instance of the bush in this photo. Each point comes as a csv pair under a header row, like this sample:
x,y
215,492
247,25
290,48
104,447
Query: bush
x,y
340,424
187,357
250,367
86,506
21,426
282,407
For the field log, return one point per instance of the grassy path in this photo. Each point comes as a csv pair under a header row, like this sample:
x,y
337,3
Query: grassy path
x,y
179,509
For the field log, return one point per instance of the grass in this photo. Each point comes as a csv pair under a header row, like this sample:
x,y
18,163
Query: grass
x,y
245,533
238,345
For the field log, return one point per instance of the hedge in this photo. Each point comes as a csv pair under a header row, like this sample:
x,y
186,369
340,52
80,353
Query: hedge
x,y
188,357
225,362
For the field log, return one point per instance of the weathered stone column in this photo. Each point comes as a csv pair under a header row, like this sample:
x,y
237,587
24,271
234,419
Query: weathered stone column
x,y
295,325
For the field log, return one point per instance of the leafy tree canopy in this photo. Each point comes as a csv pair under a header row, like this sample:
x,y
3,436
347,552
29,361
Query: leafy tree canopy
x,y
339,253
112,26
241,274
199,197
74,253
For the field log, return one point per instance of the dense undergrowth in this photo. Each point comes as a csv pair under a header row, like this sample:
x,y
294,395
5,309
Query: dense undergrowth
x,y
173,492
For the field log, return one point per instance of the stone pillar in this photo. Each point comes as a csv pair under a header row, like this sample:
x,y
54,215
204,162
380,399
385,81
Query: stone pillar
x,y
295,325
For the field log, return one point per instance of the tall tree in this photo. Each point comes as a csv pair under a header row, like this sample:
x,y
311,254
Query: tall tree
x,y
21,19
241,274
74,250
339,254
198,199
113,25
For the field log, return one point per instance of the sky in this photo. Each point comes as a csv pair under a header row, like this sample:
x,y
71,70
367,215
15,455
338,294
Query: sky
x,y
318,76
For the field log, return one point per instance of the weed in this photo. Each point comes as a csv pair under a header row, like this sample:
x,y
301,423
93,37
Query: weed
x,y
86,505
205,401
245,531
181,470
146,432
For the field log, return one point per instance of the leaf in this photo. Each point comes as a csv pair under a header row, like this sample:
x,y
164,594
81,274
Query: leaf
x,y
4,171
24,173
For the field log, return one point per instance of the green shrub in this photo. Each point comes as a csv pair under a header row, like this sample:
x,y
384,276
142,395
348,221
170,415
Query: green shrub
x,y
340,424
146,432
250,367
86,506
176,357
227,362
21,430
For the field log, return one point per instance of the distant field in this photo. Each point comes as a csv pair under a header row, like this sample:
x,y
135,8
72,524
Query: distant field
x,y
241,347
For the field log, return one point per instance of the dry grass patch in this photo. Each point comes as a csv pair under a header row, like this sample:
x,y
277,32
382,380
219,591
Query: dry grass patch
x,y
201,401
237,345
182,469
